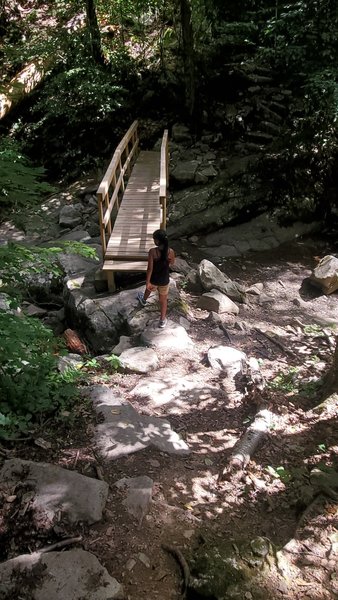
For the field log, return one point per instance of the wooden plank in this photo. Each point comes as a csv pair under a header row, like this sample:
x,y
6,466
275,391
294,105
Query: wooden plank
x,y
115,265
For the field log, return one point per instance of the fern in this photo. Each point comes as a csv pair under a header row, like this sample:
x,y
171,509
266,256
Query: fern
x,y
20,182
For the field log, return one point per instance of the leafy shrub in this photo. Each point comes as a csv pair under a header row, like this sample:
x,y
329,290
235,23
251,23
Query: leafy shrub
x,y
74,119
20,265
21,183
29,383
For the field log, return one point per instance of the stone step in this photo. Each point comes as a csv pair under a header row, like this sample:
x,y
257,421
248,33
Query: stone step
x,y
268,127
252,147
259,137
278,107
270,115
260,79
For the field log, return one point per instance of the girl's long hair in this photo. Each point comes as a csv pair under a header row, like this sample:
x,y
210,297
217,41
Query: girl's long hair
x,y
161,236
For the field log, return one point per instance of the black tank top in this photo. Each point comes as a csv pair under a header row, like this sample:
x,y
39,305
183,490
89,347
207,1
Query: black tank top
x,y
160,274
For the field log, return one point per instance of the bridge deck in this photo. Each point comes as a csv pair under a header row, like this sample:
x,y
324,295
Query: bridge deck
x,y
132,200
138,217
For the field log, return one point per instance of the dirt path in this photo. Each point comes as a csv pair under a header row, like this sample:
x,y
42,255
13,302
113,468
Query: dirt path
x,y
191,506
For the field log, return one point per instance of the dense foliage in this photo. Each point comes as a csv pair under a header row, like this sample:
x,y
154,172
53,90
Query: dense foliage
x,y
21,183
170,60
31,388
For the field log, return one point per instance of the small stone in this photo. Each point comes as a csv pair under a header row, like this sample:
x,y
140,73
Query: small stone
x,y
188,533
144,559
130,564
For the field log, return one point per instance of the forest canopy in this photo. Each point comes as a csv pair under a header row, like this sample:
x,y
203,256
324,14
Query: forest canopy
x,y
76,74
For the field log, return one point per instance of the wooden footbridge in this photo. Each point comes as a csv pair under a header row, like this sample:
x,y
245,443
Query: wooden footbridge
x,y
132,199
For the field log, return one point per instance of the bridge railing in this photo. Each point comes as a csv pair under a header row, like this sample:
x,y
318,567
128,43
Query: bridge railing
x,y
164,177
112,186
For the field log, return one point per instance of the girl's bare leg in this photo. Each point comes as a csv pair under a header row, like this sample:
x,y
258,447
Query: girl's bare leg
x,y
163,298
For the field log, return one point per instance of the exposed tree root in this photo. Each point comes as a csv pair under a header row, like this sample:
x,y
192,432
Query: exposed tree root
x,y
177,554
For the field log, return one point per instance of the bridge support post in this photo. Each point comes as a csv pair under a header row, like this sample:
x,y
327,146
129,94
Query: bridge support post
x,y
111,281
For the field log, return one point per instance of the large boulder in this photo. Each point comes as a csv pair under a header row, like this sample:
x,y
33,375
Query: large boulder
x,y
325,275
72,575
212,278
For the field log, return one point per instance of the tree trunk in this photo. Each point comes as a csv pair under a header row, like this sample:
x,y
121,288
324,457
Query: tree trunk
x,y
188,56
331,382
22,84
94,32
28,78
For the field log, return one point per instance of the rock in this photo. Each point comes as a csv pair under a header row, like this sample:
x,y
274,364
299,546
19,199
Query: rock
x,y
173,336
138,360
226,358
212,278
72,575
180,133
79,498
180,266
71,361
138,495
175,394
217,302
144,559
184,172
255,289
325,275
31,310
124,344
70,215
76,236
193,282
125,431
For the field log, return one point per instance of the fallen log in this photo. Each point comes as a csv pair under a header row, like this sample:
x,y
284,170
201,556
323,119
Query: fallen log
x,y
31,75
248,443
74,343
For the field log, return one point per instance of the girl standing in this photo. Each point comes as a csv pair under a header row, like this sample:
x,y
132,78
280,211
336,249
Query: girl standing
x,y
157,278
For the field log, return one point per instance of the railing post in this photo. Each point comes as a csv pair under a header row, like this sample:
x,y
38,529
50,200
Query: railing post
x,y
102,228
164,177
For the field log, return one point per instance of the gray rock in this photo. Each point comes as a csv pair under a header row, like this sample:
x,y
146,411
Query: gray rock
x,y
181,266
325,275
185,171
71,575
180,133
227,359
210,276
71,361
174,336
139,360
31,310
124,343
125,431
176,394
79,498
217,302
138,495
193,282
76,236
70,215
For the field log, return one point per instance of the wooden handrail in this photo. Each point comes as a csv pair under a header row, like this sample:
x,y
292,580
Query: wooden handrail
x,y
164,177
119,167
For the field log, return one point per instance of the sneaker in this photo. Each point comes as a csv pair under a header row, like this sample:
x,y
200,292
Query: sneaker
x,y
141,299
162,323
